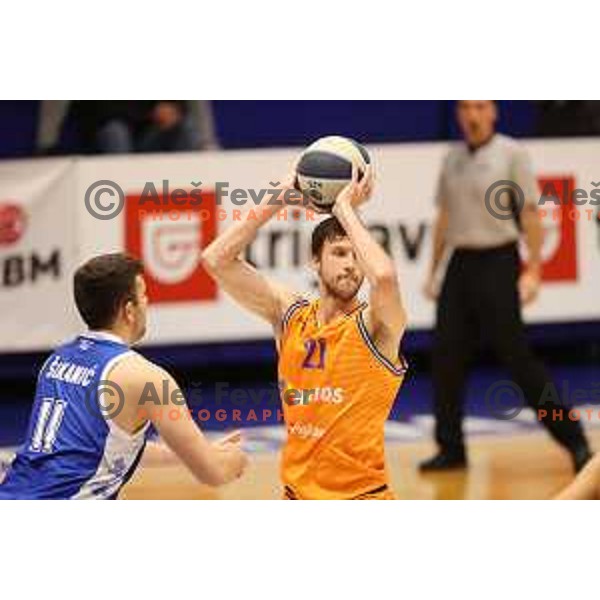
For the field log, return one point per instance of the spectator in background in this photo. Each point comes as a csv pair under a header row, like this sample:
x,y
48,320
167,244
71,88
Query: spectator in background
x,y
169,129
101,126
123,126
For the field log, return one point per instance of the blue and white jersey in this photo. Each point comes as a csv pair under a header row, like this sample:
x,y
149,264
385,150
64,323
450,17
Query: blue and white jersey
x,y
72,450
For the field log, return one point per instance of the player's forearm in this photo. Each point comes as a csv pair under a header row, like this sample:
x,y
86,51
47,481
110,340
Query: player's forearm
x,y
228,246
158,454
532,229
187,442
377,266
207,463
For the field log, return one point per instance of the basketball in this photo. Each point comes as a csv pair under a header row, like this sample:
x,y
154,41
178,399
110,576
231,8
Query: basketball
x,y
325,168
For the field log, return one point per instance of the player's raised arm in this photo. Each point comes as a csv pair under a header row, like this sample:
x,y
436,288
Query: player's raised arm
x,y
141,382
223,260
387,317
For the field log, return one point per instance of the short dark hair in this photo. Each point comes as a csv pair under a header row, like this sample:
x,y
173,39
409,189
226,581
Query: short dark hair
x,y
330,229
102,285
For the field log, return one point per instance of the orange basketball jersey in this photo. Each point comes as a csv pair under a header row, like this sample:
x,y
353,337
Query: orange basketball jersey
x,y
337,391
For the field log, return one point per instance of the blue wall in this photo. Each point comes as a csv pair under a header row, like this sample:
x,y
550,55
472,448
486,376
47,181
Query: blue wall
x,y
264,123
244,124
18,127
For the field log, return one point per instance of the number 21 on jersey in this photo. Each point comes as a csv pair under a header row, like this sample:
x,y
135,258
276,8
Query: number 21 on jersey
x,y
315,354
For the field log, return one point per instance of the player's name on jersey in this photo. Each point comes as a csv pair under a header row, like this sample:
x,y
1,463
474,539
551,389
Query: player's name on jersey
x,y
69,372
317,395
306,430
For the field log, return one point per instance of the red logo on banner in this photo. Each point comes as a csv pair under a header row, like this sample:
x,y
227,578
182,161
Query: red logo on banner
x,y
169,239
12,224
559,246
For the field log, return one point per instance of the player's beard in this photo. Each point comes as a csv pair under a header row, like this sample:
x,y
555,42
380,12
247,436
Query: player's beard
x,y
343,288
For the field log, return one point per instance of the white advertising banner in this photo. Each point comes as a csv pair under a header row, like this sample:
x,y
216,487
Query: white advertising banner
x,y
174,204
186,305
38,252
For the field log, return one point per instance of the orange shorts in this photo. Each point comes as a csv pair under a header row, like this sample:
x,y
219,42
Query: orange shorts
x,y
387,494
381,494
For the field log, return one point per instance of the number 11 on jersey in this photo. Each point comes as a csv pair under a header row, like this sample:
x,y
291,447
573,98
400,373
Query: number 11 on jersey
x,y
48,421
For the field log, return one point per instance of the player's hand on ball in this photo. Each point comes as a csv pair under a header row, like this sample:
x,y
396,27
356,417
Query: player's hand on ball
x,y
292,195
290,181
357,192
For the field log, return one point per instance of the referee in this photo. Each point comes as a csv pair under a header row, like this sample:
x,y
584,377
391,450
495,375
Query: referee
x,y
482,290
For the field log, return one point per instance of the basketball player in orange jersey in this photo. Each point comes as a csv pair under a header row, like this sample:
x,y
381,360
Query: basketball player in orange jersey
x,y
339,368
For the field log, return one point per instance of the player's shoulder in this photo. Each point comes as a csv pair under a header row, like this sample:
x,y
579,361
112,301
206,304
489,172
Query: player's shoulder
x,y
380,340
364,317
301,300
134,370
298,304
70,344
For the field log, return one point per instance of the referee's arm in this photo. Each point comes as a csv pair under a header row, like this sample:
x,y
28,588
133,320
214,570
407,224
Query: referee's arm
x,y
439,238
530,280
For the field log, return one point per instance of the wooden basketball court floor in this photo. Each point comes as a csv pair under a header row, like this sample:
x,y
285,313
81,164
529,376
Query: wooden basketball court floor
x,y
523,466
